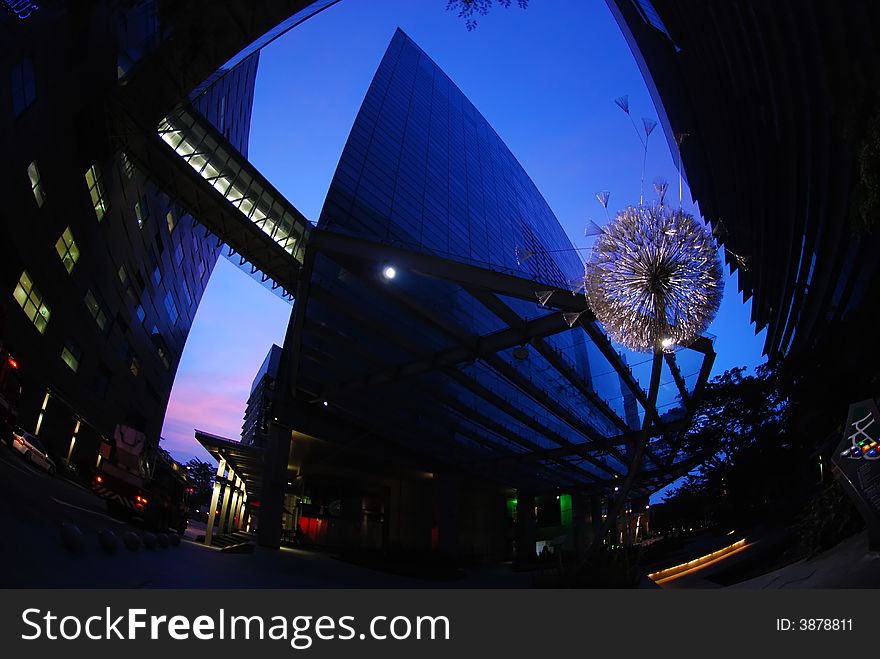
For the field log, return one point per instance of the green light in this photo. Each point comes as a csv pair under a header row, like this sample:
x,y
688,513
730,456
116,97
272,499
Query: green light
x,y
565,511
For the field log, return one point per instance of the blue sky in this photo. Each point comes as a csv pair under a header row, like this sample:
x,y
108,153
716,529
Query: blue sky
x,y
545,79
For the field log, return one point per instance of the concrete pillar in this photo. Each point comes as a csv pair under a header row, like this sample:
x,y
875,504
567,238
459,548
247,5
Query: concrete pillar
x,y
239,525
224,508
526,534
215,498
274,485
233,504
242,502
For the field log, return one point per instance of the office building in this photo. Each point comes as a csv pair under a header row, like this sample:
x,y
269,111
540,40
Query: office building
x,y
433,395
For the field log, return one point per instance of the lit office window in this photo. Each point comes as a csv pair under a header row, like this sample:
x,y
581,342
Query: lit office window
x,y
32,302
96,191
171,308
96,310
71,356
169,218
141,314
24,91
127,166
67,250
134,366
140,214
36,184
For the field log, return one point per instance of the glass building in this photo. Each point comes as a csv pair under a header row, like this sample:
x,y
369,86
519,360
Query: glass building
x,y
259,404
109,237
439,387
102,270
444,380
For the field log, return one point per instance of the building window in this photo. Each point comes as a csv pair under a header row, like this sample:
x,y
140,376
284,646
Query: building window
x,y
178,255
169,218
134,366
71,356
127,166
123,275
139,214
32,302
96,191
36,184
161,347
157,275
221,124
24,91
186,294
141,314
67,250
96,310
171,308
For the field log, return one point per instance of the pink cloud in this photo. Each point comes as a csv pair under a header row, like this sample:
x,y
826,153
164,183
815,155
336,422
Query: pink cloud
x,y
214,405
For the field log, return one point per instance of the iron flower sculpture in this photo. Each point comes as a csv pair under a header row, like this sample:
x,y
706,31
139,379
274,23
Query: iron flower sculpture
x,y
654,279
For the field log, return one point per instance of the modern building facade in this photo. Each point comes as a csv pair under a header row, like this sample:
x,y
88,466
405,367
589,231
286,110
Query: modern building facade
x,y
257,412
102,270
441,388
127,130
439,385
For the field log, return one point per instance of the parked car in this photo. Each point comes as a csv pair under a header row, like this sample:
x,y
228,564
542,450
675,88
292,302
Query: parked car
x,y
32,450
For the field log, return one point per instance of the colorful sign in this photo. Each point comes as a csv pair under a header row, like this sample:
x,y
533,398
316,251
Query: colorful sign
x,y
858,468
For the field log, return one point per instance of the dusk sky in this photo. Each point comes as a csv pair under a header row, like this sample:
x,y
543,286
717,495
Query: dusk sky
x,y
545,79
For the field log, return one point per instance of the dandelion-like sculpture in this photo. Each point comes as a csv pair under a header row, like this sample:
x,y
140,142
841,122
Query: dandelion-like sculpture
x,y
654,279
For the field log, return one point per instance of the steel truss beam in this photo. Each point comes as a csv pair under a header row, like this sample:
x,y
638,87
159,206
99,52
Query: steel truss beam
x,y
386,333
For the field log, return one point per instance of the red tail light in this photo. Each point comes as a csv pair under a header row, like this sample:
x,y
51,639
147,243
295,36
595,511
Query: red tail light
x,y
13,363
99,479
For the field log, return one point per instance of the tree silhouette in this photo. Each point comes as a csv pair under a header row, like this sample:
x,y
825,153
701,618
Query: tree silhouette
x,y
201,475
468,9
755,462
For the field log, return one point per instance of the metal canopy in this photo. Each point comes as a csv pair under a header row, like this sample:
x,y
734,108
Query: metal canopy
x,y
386,350
246,461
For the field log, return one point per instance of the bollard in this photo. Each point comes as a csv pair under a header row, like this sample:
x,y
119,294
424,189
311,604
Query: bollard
x,y
150,541
131,540
71,537
108,540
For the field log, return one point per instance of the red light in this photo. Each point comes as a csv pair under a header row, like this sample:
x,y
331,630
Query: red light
x,y
13,363
99,479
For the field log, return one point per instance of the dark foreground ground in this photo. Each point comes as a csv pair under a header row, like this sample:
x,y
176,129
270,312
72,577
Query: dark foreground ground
x,y
34,505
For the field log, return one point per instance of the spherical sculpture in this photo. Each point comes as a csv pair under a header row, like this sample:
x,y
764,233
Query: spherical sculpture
x,y
654,279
